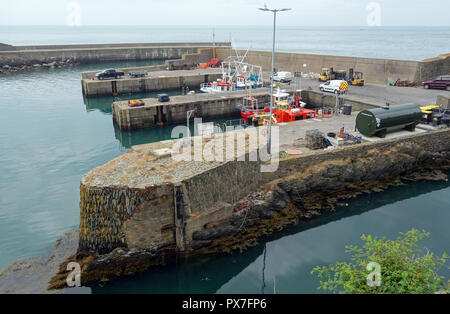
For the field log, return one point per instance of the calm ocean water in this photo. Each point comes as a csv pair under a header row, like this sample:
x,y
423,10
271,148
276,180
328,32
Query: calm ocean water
x,y
409,43
50,137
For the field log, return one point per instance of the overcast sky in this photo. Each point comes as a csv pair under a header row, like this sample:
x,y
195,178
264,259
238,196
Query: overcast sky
x,y
225,12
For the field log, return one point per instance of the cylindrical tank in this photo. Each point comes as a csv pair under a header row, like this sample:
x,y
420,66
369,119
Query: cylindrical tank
x,y
347,109
380,120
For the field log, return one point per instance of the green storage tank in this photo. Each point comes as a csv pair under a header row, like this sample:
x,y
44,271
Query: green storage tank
x,y
377,122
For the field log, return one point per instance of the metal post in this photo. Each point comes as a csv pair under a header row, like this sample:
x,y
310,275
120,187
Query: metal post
x,y
336,108
269,141
188,116
214,44
274,11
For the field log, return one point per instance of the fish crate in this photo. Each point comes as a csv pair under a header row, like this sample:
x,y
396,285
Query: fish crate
x,y
314,139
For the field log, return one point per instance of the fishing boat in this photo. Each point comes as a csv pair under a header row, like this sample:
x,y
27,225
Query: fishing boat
x,y
250,107
292,110
247,81
236,75
287,113
286,109
218,86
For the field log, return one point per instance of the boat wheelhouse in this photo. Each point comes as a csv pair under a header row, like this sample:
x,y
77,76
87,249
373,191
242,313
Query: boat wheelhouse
x,y
250,107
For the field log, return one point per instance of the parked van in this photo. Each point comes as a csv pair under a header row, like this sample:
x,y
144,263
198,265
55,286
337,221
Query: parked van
x,y
283,77
333,86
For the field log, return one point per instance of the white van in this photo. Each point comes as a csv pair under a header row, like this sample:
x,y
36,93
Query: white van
x,y
332,86
283,77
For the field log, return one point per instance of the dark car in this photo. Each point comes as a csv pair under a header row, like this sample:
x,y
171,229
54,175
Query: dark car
x,y
163,98
442,81
109,73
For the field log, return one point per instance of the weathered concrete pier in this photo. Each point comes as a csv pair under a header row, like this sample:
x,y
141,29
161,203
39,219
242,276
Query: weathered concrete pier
x,y
376,71
155,81
98,53
206,106
209,106
144,207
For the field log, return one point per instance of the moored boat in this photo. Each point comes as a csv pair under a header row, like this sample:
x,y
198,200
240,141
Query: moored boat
x,y
218,86
250,107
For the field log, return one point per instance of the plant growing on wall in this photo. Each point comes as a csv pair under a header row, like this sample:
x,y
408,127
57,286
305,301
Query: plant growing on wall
x,y
386,267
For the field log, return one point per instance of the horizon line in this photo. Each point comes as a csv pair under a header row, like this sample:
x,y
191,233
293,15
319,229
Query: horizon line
x,y
212,27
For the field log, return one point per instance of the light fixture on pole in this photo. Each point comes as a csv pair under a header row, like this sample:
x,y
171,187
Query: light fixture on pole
x,y
274,11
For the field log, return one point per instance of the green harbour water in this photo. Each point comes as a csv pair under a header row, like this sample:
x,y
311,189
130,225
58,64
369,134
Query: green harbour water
x,y
50,136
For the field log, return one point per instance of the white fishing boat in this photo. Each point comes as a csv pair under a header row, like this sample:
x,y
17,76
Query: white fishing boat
x,y
236,75
218,86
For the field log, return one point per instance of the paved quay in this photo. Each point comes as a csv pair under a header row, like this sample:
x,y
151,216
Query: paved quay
x,y
132,169
380,94
155,81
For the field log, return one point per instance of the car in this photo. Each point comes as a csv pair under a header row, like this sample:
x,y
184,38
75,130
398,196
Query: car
x,y
442,81
109,73
283,77
333,86
163,98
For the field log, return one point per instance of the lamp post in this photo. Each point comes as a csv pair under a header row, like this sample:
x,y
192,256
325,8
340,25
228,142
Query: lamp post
x,y
274,11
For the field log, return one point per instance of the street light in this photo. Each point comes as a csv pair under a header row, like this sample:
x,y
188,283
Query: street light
x,y
274,11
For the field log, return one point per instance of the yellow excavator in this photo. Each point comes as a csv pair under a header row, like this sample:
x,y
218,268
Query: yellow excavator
x,y
355,78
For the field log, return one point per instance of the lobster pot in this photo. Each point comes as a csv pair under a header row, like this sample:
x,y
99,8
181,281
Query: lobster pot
x,y
314,139
380,121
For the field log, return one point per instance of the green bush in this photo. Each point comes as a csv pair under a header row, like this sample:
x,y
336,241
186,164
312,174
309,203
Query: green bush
x,y
404,269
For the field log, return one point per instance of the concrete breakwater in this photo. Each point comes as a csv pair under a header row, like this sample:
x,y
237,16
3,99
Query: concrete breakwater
x,y
155,81
18,56
143,208
207,106
376,71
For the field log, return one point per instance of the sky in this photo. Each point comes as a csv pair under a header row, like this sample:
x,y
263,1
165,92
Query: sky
x,y
225,12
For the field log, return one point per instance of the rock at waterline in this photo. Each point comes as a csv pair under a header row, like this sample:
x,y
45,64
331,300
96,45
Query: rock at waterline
x,y
33,275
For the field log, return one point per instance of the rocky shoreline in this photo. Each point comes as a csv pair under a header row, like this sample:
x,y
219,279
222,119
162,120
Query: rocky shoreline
x,y
32,275
5,69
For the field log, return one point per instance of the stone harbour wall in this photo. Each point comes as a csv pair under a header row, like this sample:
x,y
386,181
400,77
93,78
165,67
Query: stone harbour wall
x,y
376,71
230,206
30,55
187,60
116,217
112,217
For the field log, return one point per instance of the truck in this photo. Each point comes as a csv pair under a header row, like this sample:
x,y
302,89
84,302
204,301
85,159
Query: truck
x,y
109,73
328,74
